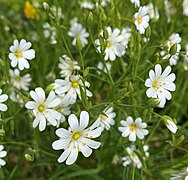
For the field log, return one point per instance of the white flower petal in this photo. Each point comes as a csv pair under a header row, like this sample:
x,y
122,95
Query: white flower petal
x,y
64,155
132,136
84,120
72,157
73,122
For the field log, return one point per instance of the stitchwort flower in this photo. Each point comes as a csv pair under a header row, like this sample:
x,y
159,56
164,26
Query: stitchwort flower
x,y
160,84
77,139
133,128
43,108
20,53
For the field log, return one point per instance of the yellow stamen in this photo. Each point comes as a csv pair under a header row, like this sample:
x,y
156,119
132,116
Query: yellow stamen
x,y
76,135
41,108
75,84
18,53
133,127
139,20
103,117
17,78
109,44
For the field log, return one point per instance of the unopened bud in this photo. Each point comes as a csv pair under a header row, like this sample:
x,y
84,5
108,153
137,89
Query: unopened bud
x,y
173,49
169,122
90,18
78,44
2,133
153,102
29,157
45,6
148,32
50,87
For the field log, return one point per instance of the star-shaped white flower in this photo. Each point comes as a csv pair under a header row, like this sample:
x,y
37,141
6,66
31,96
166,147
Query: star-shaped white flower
x,y
20,53
133,128
3,98
77,31
141,19
43,108
107,119
2,155
160,84
70,89
67,66
20,82
115,44
77,139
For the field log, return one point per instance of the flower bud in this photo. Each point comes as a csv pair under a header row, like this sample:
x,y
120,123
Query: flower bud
x,y
148,32
78,44
29,157
45,6
153,102
2,133
50,88
90,18
173,49
169,122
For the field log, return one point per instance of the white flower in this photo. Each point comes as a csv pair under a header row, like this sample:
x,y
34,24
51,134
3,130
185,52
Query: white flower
x,y
185,60
107,119
136,3
133,129
180,176
15,97
141,19
20,53
86,5
43,108
160,84
126,33
2,155
58,11
185,7
152,11
20,82
77,31
64,110
114,45
173,39
171,126
3,98
77,138
50,32
170,10
101,66
70,89
132,158
67,66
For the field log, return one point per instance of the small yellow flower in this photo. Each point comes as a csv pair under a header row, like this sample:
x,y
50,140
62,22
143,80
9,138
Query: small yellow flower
x,y
30,11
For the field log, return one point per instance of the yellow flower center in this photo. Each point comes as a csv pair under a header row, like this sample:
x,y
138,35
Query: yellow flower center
x,y
59,109
157,85
103,117
133,127
29,10
18,53
109,44
171,43
71,68
76,135
41,107
18,78
139,20
75,84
